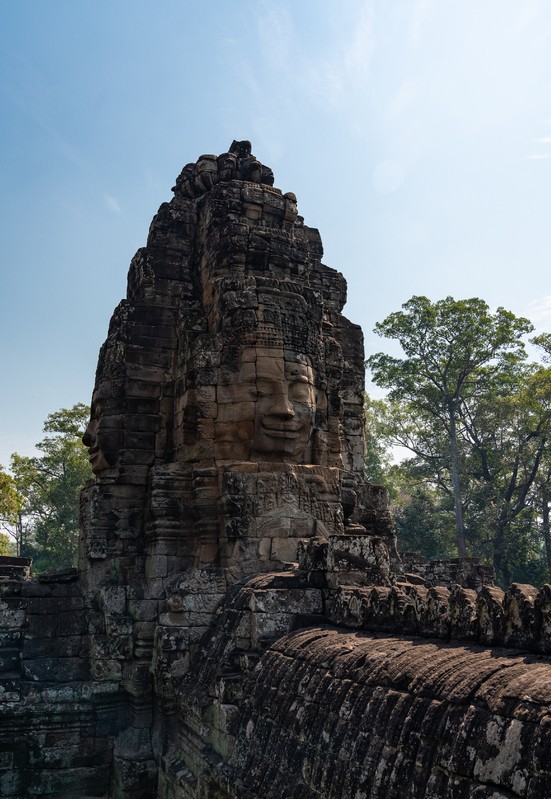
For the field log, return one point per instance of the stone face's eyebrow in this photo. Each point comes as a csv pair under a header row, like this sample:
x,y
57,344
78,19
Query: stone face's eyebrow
x,y
303,371
270,367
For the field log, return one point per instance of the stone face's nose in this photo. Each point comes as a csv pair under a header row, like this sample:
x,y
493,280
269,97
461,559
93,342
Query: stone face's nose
x,y
281,406
87,438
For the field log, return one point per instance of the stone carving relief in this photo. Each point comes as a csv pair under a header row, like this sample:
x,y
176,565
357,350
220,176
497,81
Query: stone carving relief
x,y
102,443
267,407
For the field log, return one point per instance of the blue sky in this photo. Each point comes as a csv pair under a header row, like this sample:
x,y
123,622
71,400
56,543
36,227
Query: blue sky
x,y
415,133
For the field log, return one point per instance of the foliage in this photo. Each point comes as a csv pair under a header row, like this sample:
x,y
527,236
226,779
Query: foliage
x,y
11,508
446,345
544,342
50,484
7,545
422,516
476,419
10,500
509,434
378,455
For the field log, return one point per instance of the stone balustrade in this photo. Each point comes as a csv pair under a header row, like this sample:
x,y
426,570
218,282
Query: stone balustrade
x,y
518,618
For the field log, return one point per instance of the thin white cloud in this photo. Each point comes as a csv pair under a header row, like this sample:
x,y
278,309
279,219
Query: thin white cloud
x,y
543,140
538,156
31,107
275,27
360,53
388,176
539,311
268,135
335,79
112,203
331,76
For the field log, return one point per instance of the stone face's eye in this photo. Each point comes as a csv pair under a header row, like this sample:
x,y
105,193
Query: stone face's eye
x,y
264,388
300,386
300,390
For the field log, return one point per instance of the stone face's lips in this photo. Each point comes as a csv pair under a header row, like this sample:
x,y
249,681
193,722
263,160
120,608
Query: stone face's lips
x,y
282,431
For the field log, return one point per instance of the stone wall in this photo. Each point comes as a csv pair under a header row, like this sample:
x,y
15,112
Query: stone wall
x,y
58,724
335,714
519,617
279,701
449,571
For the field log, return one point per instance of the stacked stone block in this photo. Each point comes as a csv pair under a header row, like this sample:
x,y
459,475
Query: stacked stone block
x,y
58,723
349,715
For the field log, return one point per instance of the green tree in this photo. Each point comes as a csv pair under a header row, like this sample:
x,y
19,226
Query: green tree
x,y
541,497
508,432
452,348
541,503
7,545
11,512
378,445
420,506
50,484
423,518
543,341
505,446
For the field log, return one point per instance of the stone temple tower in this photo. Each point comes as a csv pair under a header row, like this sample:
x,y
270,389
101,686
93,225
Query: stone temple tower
x,y
227,414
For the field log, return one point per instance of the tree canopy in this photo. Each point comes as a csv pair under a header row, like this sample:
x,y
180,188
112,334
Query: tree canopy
x,y
11,508
39,500
475,417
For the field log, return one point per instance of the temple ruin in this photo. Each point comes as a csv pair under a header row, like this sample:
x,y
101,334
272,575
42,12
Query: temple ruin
x,y
241,625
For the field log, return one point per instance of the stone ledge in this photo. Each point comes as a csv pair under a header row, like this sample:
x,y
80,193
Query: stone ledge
x,y
519,618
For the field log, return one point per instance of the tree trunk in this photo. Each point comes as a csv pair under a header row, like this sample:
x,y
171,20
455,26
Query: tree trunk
x,y
546,530
18,535
456,490
501,559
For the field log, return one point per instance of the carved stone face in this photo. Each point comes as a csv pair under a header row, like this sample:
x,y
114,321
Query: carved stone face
x,y
285,406
102,444
271,403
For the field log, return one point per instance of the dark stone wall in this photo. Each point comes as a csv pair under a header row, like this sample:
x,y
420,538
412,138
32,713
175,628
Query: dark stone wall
x,y
334,714
275,697
519,617
57,723
273,704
